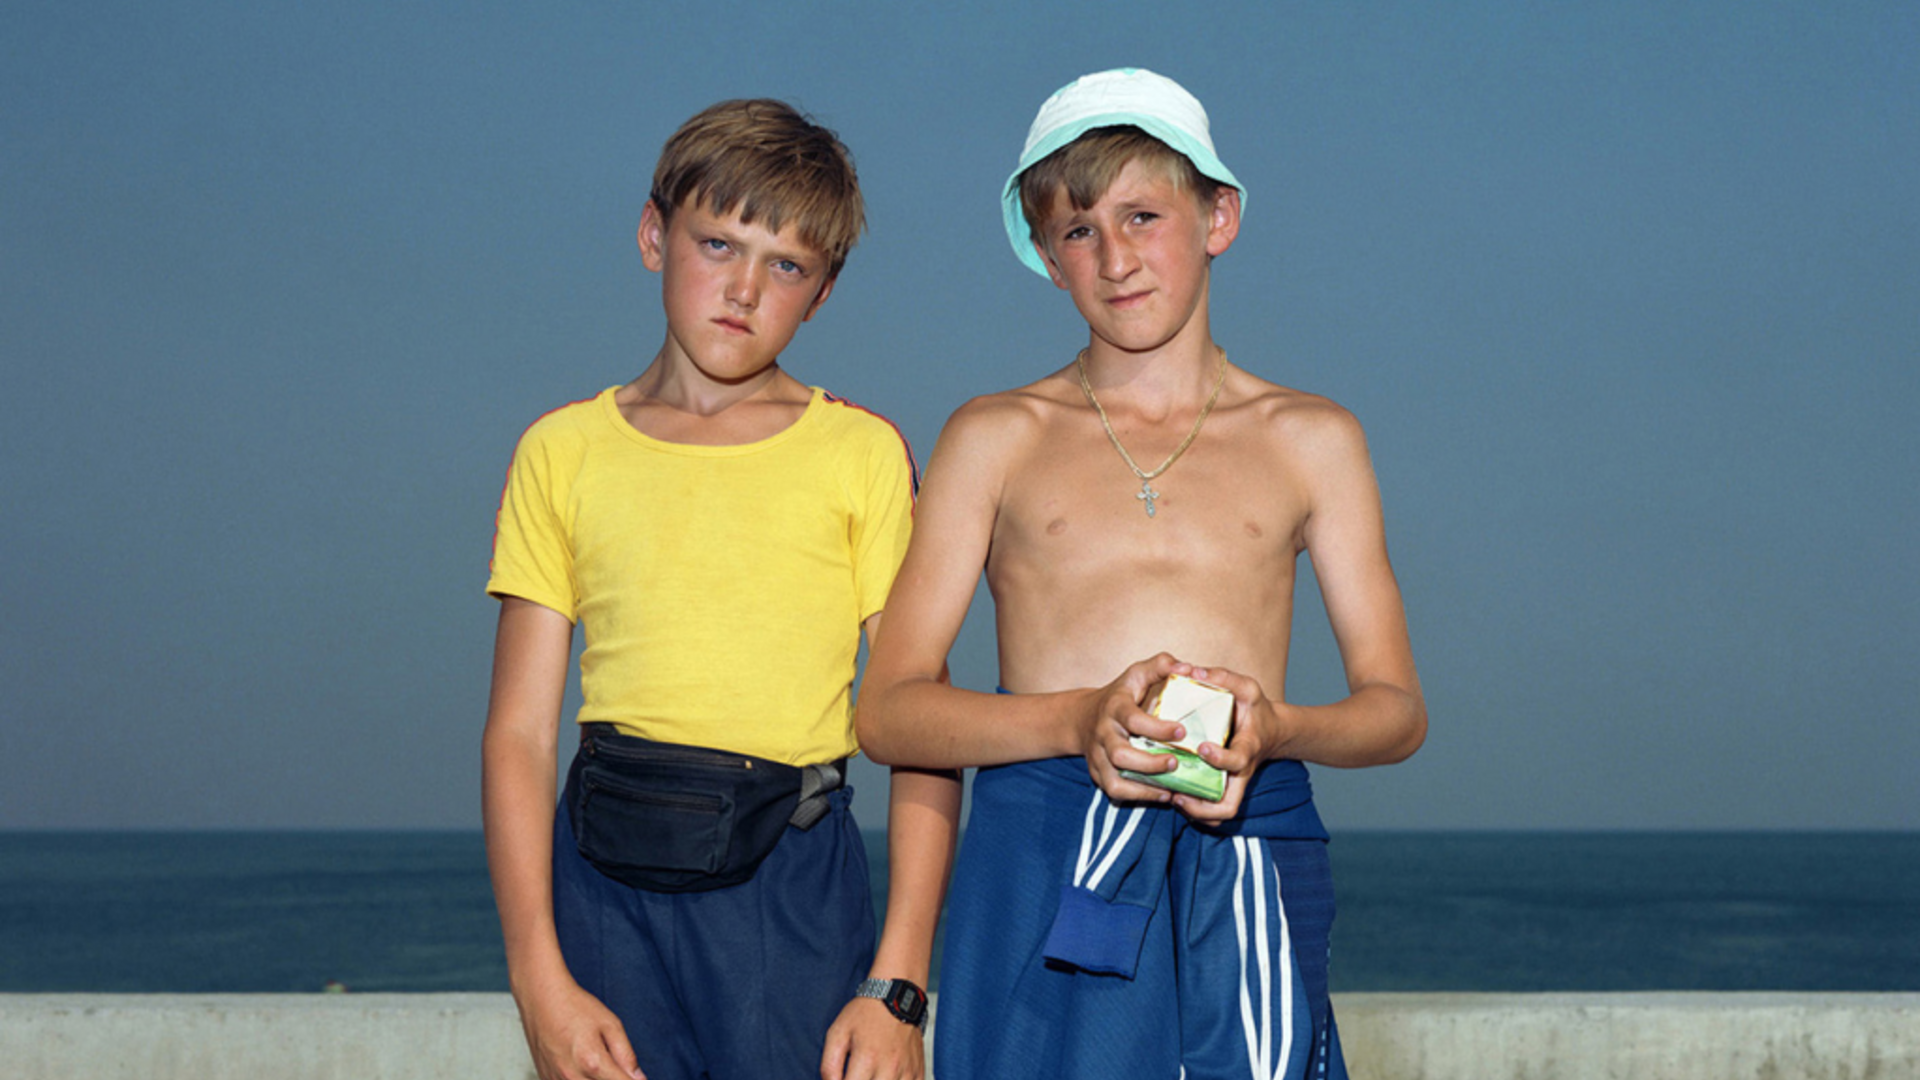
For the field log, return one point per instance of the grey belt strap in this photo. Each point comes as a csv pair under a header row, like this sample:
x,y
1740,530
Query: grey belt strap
x,y
816,781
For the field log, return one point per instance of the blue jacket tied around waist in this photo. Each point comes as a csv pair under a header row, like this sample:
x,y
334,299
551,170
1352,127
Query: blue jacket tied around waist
x,y
1120,871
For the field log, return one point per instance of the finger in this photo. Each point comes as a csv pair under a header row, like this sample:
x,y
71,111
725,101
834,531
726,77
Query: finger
x,y
1244,688
860,1059
1127,756
616,1059
1120,729
833,1062
1158,663
1235,759
596,1063
1153,727
1202,810
1122,790
1153,669
1129,719
621,1051
1118,749
907,1064
1105,767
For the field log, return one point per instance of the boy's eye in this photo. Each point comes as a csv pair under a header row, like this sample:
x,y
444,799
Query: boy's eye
x,y
788,266
1144,217
1078,232
714,244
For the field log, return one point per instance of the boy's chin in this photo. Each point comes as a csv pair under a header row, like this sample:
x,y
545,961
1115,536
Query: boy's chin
x,y
1134,335
1138,342
734,375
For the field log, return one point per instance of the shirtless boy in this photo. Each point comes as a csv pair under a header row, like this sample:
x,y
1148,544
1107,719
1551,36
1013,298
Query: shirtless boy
x,y
1139,513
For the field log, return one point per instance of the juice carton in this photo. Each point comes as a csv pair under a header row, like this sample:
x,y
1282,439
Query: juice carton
x,y
1207,713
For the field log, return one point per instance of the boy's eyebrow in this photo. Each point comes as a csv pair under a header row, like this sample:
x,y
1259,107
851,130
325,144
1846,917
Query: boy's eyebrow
x,y
1072,213
798,251
791,247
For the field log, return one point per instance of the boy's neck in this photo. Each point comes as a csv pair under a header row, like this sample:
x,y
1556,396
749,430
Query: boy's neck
x,y
676,402
1154,381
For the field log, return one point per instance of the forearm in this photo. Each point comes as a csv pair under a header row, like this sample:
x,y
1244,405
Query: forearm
x,y
923,823
1378,724
518,753
921,722
517,810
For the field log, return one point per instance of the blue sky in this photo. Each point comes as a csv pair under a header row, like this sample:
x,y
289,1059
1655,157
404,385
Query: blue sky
x,y
1627,296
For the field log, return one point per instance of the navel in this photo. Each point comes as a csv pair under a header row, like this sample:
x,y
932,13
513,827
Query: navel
x,y
1254,530
1056,526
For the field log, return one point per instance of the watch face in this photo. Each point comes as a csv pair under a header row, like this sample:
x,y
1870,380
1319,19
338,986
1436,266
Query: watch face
x,y
906,1001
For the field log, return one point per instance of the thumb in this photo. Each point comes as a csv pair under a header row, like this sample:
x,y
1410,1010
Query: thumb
x,y
833,1062
622,1051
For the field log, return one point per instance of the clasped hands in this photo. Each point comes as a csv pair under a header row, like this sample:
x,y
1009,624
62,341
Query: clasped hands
x,y
1259,735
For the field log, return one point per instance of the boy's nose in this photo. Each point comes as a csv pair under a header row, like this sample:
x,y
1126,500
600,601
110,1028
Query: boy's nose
x,y
743,289
1117,260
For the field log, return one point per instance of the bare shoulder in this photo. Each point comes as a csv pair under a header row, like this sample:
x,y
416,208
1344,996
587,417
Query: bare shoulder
x,y
1315,428
1004,425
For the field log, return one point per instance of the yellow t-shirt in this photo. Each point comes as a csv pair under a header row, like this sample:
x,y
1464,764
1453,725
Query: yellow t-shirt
x,y
720,589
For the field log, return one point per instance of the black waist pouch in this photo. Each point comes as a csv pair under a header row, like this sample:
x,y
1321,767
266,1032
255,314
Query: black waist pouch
x,y
675,818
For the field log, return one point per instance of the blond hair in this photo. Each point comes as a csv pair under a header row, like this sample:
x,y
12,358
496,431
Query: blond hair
x,y
770,162
1086,167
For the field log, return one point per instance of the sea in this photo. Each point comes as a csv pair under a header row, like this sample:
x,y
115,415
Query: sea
x,y
268,912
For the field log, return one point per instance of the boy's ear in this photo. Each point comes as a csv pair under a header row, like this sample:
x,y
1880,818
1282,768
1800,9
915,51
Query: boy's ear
x,y
1223,224
825,291
653,237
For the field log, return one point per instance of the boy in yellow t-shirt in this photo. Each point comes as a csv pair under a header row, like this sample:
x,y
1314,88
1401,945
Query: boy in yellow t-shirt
x,y
699,903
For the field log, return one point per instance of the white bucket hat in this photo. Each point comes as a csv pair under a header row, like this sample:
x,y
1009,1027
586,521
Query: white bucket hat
x,y
1132,97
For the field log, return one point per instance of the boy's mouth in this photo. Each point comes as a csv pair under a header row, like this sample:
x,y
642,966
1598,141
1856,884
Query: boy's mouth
x,y
732,326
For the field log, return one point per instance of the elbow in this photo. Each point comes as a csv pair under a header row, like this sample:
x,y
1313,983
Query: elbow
x,y
1395,724
1414,736
870,730
890,721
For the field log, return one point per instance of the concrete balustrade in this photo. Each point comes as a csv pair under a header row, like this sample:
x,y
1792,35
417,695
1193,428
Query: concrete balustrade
x,y
1666,1036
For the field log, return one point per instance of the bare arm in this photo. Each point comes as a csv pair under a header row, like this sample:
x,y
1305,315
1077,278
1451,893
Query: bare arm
x,y
1384,717
571,1034
923,815
867,1042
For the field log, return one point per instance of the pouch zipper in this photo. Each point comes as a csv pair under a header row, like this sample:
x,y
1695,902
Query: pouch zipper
x,y
709,803
666,753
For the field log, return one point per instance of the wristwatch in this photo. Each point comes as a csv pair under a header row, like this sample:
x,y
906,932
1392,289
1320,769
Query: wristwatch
x,y
907,1002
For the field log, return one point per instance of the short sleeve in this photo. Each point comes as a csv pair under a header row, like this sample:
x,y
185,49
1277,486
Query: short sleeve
x,y
532,551
884,521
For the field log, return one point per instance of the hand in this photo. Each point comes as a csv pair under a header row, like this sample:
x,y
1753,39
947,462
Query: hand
x,y
1258,736
1117,716
867,1042
574,1037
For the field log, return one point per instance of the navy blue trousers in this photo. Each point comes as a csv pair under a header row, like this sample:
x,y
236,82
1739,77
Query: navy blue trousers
x,y
738,983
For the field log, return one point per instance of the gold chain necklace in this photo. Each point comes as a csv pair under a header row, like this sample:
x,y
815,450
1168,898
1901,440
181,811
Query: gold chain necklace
x,y
1147,494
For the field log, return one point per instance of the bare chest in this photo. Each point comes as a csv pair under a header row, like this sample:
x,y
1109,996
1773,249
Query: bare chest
x,y
1225,506
1085,580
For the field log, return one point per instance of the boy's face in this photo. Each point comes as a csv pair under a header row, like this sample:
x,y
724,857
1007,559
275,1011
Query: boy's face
x,y
1136,261
734,292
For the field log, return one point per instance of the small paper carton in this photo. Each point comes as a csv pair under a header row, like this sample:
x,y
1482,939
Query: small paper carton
x,y
1207,713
